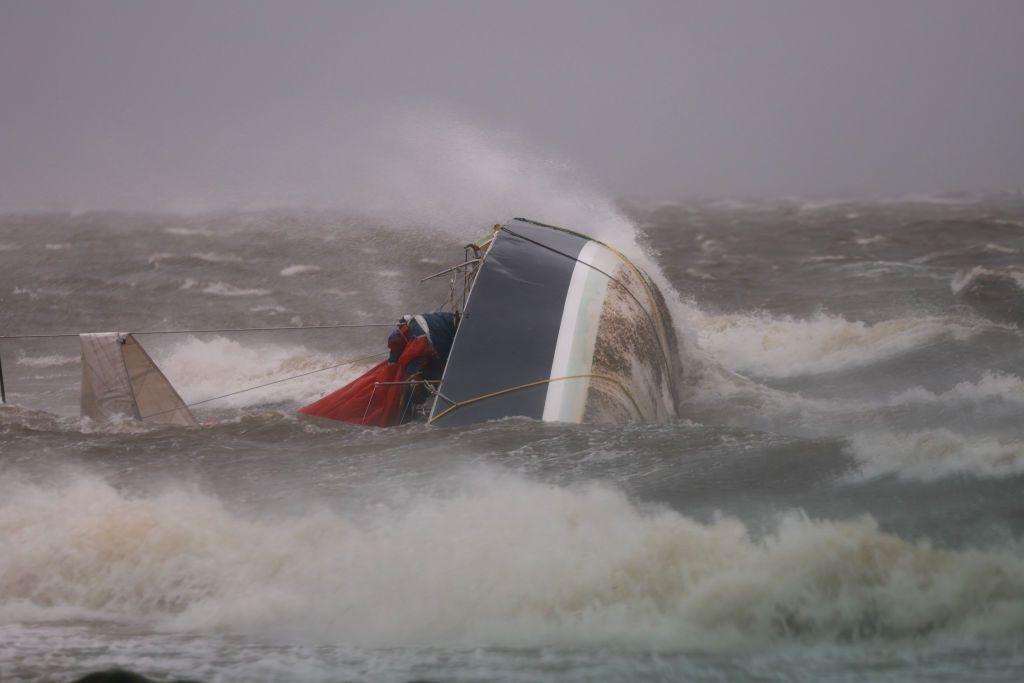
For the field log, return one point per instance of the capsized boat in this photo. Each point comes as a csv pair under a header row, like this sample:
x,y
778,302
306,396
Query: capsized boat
x,y
549,324
553,325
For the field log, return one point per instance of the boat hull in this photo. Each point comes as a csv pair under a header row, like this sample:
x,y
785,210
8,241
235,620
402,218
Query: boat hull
x,y
561,328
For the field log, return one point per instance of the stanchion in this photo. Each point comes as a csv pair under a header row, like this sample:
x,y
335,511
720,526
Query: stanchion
x,y
3,389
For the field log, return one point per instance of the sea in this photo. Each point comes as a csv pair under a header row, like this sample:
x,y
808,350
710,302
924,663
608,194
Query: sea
x,y
840,499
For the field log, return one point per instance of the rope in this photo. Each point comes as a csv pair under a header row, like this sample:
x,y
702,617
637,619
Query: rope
x,y
501,392
276,381
212,329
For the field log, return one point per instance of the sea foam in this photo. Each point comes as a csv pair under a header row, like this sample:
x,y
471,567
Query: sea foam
x,y
504,561
936,453
201,369
784,346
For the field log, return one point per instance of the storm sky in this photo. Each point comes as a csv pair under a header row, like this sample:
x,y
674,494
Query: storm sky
x,y
144,104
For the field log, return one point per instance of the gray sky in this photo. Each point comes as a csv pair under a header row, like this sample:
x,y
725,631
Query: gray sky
x,y
150,104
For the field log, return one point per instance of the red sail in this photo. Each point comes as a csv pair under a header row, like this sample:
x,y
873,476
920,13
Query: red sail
x,y
362,401
372,399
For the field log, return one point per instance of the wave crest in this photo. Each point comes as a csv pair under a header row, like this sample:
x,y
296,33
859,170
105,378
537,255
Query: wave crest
x,y
506,561
200,369
769,346
935,453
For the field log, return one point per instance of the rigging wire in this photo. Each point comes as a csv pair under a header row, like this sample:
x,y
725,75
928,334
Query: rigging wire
x,y
276,381
56,335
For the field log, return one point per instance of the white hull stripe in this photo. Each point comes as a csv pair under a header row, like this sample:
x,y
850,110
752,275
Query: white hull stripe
x,y
577,334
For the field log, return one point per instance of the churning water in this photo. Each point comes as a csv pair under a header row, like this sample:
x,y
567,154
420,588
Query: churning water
x,y
841,500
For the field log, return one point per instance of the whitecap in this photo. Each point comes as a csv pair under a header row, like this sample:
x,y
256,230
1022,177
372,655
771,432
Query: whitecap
x,y
985,278
47,361
214,257
201,368
993,387
159,257
502,561
224,289
935,453
298,269
770,346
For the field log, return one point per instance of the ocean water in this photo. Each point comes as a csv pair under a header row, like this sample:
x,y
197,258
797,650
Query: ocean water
x,y
840,500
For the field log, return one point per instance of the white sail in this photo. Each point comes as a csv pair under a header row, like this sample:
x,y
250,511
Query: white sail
x,y
119,378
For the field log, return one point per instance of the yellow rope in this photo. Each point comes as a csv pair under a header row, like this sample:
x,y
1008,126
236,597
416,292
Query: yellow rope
x,y
539,382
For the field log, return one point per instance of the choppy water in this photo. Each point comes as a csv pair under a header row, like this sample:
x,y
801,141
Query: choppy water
x,y
842,502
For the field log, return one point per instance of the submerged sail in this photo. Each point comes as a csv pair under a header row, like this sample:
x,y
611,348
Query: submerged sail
x,y
119,378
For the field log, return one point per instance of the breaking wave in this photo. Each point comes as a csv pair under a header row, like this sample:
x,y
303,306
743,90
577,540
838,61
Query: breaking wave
x,y
986,281
932,454
202,369
992,387
768,346
505,561
997,292
439,170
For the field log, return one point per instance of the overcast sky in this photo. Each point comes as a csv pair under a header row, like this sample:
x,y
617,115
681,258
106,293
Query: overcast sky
x,y
141,104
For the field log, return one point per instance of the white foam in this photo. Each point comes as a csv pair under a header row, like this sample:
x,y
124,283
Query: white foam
x,y
225,289
200,369
503,561
47,361
993,386
40,292
824,258
999,248
964,279
298,269
770,346
269,308
214,257
936,453
157,258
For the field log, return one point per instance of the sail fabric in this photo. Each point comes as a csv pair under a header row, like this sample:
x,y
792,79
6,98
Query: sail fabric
x,y
364,401
119,378
106,389
379,396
